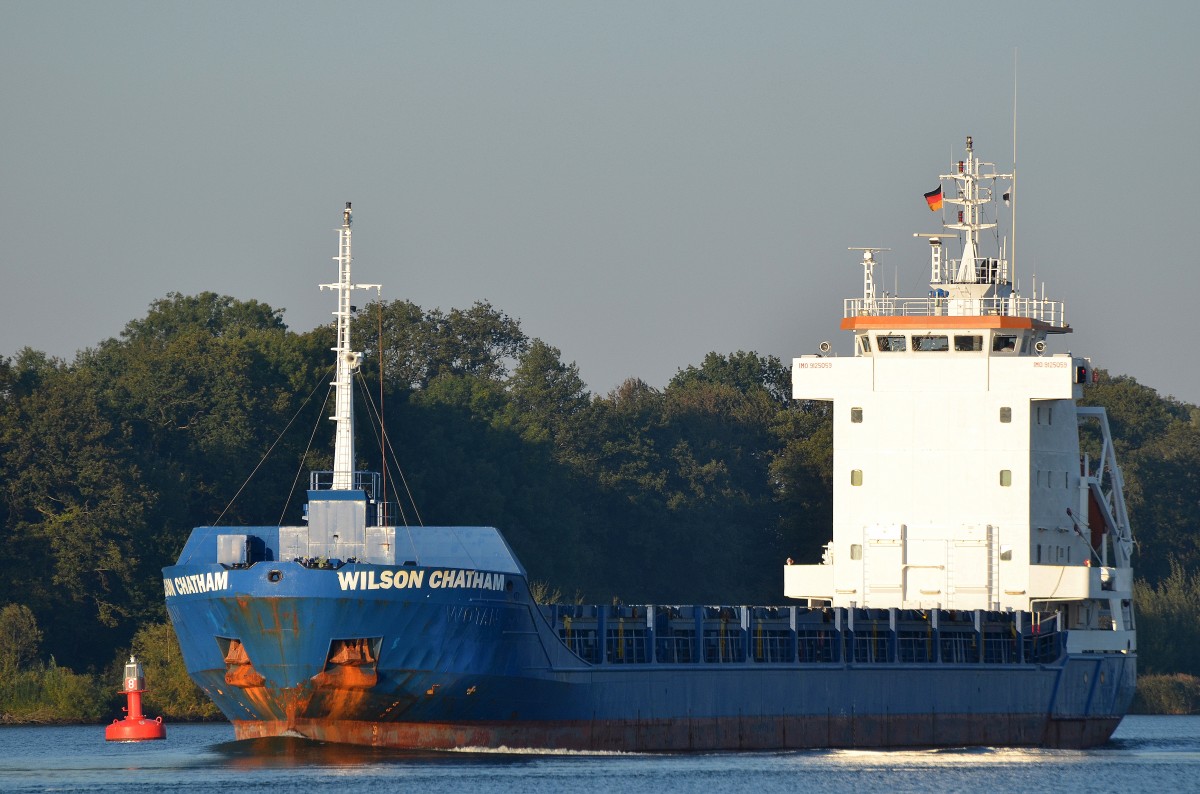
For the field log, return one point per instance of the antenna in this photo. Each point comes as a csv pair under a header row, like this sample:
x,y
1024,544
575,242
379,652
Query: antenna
x,y
935,255
1012,251
868,263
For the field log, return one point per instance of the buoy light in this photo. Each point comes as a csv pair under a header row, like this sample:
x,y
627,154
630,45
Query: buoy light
x,y
136,727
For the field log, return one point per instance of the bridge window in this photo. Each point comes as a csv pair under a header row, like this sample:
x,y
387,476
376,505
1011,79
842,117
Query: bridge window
x,y
893,343
1004,343
966,344
864,342
931,344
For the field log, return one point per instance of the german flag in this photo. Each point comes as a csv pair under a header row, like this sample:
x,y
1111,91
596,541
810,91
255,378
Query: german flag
x,y
934,199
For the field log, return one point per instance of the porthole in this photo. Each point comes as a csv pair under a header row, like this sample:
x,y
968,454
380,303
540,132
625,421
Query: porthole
x,y
274,576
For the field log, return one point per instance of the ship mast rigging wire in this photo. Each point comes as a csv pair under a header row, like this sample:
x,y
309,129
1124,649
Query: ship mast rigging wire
x,y
382,431
270,449
386,449
307,446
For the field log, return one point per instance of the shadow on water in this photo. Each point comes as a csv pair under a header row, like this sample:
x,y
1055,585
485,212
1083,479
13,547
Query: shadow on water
x,y
285,751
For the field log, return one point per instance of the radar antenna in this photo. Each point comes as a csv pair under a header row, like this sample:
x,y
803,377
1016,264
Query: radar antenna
x,y
868,263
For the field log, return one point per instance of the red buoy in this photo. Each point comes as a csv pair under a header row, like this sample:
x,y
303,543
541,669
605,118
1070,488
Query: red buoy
x,y
135,727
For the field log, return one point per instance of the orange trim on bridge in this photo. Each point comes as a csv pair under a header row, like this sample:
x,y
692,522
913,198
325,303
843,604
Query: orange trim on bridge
x,y
867,322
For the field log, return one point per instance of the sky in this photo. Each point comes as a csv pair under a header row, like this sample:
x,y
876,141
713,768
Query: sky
x,y
639,183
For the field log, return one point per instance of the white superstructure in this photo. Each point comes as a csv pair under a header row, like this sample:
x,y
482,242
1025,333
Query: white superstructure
x,y
959,481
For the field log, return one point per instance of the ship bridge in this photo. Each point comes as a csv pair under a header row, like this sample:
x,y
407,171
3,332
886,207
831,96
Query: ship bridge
x,y
959,480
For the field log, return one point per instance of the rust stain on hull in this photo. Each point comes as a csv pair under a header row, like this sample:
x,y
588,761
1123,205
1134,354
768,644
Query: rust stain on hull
x,y
239,671
706,735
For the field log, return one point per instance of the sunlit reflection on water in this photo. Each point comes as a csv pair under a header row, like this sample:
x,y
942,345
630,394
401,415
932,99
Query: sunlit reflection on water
x,y
1160,753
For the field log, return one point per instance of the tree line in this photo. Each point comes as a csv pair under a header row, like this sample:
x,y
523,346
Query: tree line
x,y
692,493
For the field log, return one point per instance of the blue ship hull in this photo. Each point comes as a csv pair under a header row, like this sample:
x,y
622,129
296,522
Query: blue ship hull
x,y
446,656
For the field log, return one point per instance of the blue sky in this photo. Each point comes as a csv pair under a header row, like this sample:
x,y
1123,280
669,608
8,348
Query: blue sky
x,y
638,182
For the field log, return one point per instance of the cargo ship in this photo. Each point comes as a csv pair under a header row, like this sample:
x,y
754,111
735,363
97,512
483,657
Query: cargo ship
x,y
977,589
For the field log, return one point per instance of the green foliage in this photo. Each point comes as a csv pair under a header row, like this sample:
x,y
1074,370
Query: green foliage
x,y
419,346
746,372
170,693
801,471
546,396
76,503
544,593
1158,446
1168,629
1167,694
72,697
20,638
215,315
1166,516
51,694
33,692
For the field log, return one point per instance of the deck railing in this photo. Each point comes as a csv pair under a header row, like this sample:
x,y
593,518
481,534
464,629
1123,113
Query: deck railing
x,y
1053,313
622,635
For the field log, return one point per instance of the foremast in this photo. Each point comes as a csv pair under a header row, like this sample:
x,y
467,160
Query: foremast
x,y
348,361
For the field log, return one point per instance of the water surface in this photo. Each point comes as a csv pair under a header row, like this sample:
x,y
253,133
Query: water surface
x,y
1161,754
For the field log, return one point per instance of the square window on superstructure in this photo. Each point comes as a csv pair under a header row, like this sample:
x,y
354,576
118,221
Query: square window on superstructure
x,y
966,344
891,343
856,551
931,344
856,415
856,477
1005,414
1006,478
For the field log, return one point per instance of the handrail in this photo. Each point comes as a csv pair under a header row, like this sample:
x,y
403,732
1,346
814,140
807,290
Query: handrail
x,y
1052,313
